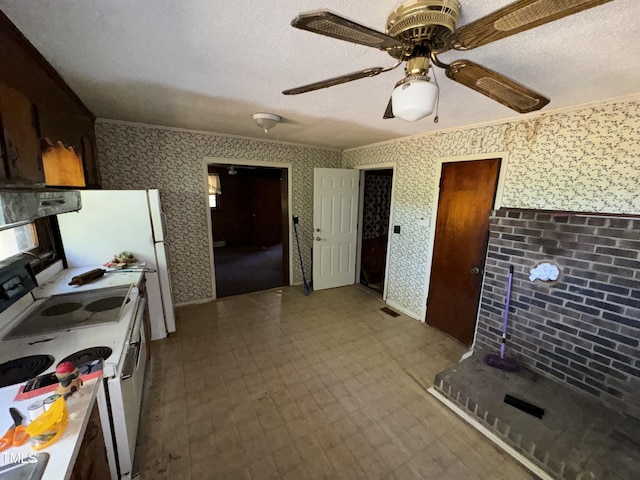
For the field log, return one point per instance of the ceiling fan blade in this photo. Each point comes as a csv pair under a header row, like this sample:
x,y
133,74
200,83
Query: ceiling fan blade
x,y
496,86
332,25
515,18
388,113
330,82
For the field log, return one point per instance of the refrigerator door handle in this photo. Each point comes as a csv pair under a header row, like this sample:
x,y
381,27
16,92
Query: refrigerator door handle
x,y
163,223
167,257
166,252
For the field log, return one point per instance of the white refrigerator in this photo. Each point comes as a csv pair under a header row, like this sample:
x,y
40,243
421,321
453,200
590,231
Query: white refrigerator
x,y
112,221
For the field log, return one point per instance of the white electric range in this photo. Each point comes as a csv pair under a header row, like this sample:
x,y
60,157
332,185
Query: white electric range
x,y
57,322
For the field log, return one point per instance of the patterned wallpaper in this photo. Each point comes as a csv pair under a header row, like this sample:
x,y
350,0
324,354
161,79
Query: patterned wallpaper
x,y
140,157
584,160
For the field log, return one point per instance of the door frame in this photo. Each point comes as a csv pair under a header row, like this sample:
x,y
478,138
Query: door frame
x,y
249,163
504,160
365,168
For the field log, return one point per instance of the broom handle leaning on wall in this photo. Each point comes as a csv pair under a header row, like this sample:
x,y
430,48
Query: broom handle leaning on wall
x,y
506,313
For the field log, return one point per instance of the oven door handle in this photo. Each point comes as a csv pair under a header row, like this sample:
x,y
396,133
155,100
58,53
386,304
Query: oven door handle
x,y
130,360
135,331
135,343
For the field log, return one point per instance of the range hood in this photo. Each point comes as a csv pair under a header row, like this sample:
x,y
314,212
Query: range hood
x,y
20,206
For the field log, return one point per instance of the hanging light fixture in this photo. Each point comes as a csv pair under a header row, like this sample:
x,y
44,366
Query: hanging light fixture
x,y
414,98
266,121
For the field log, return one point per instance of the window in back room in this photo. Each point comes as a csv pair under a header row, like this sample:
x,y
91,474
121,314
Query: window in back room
x,y
213,182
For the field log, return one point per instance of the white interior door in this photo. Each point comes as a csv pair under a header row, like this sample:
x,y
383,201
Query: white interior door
x,y
335,227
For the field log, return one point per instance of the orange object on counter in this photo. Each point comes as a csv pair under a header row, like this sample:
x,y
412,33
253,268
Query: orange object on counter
x,y
16,435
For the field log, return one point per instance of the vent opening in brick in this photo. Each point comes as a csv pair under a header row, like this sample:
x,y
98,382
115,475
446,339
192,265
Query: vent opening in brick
x,y
390,312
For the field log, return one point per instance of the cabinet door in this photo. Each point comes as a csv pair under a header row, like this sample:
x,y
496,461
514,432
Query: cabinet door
x,y
92,463
21,139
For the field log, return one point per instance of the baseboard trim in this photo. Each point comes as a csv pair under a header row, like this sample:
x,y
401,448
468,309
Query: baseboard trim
x,y
401,309
195,302
466,354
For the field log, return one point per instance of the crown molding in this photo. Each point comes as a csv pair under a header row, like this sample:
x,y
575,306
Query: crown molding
x,y
528,116
215,134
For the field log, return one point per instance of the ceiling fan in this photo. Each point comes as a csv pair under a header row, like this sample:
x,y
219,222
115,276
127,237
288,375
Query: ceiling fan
x,y
418,30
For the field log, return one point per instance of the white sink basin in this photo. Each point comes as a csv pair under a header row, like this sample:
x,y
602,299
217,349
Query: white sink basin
x,y
27,470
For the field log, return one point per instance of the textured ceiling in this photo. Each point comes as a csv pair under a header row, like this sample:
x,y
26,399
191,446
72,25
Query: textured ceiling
x,y
208,65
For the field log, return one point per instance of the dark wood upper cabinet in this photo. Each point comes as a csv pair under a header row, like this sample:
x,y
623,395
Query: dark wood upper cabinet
x,y
38,108
20,137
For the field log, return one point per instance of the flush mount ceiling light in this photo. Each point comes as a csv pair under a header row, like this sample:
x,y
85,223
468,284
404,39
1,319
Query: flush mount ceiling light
x,y
414,98
266,121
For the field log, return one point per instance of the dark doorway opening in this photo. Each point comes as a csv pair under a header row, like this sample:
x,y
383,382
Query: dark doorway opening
x,y
376,208
249,219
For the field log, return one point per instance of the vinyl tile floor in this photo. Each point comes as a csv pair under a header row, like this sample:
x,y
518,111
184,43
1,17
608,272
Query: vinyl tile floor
x,y
276,385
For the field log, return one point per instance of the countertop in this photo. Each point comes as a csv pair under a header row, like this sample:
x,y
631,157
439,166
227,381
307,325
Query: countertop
x,y
56,281
64,451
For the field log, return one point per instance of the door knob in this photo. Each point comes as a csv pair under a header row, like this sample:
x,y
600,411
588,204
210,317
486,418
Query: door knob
x,y
318,239
475,270
317,229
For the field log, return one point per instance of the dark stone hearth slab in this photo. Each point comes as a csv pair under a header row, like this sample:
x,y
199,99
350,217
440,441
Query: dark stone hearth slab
x,y
577,438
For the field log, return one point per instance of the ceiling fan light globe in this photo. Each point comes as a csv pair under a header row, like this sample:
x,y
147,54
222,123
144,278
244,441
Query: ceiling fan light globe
x,y
414,99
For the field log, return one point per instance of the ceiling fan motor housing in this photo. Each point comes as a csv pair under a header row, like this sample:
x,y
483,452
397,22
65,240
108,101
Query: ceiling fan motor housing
x,y
424,21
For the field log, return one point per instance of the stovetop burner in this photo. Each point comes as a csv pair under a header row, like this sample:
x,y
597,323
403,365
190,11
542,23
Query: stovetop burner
x,y
61,309
88,355
105,304
71,310
22,369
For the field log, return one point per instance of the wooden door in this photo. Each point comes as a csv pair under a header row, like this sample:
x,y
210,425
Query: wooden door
x,y
335,227
266,212
467,192
284,223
